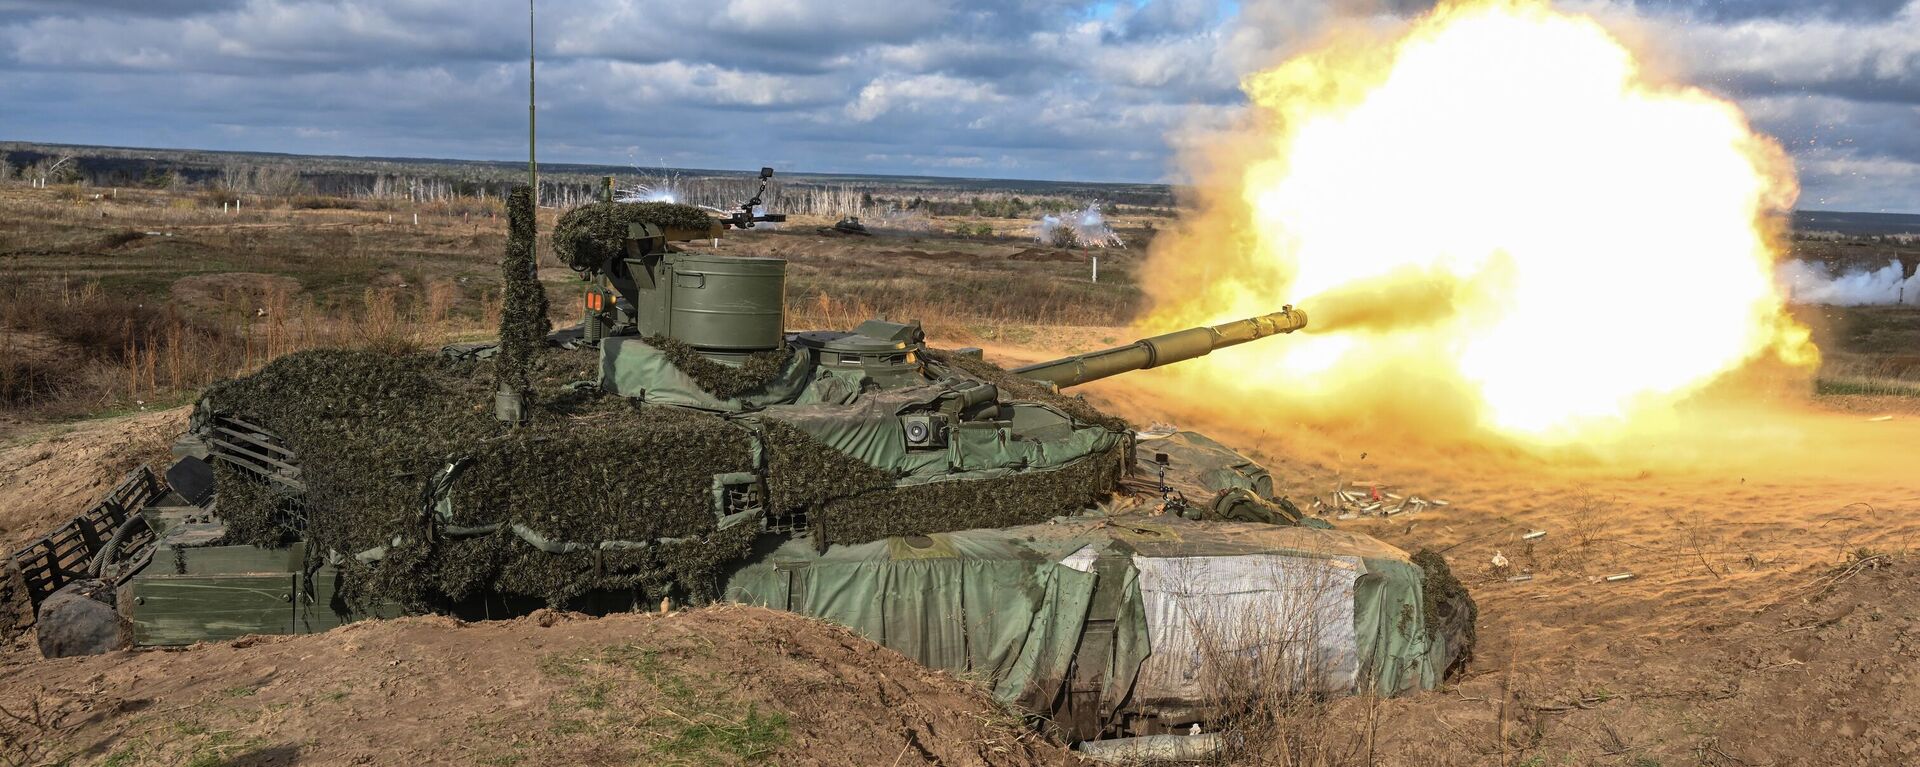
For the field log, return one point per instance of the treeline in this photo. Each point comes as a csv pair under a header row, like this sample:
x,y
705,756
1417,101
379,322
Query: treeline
x,y
288,176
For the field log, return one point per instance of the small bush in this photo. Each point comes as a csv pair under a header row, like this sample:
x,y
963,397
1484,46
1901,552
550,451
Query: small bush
x,y
321,202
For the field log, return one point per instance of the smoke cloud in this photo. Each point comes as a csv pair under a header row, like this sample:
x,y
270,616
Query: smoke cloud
x,y
1086,228
1807,282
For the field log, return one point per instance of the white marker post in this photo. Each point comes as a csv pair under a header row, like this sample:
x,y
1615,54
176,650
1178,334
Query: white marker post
x,y
1096,269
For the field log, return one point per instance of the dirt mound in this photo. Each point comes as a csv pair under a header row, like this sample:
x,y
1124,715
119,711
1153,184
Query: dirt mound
x,y
728,685
44,482
1821,677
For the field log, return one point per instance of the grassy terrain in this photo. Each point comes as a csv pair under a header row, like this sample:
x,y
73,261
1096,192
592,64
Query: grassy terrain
x,y
112,300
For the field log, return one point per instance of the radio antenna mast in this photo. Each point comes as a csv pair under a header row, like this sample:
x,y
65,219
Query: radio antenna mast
x,y
533,167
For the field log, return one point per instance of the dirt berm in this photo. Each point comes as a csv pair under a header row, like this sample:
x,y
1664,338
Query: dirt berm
x,y
720,685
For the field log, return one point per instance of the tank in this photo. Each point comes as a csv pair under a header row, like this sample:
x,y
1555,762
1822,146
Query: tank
x,y
682,445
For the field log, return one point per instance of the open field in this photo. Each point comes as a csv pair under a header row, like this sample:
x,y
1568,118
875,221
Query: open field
x,y
1770,617
118,300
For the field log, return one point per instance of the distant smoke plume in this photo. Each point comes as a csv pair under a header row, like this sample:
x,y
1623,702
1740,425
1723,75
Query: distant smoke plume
x,y
1808,282
665,188
646,193
1085,228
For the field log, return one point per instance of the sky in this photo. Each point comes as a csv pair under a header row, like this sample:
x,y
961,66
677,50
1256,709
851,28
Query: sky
x,y
1033,89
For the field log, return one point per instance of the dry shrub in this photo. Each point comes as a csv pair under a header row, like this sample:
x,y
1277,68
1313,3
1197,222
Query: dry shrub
x,y
384,327
71,348
1265,669
442,295
955,311
35,729
473,207
321,202
1576,542
80,345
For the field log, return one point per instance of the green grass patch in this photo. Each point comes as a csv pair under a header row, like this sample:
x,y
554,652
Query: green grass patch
x,y
1887,387
641,703
751,738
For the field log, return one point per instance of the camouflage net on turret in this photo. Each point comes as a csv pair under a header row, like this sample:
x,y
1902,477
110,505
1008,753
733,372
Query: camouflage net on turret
x,y
587,236
372,430
851,502
723,381
1020,499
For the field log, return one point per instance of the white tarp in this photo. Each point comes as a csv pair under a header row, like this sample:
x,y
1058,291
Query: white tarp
x,y
1219,623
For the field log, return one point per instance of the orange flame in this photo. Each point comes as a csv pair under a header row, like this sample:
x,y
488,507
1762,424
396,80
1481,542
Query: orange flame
x,y
1493,218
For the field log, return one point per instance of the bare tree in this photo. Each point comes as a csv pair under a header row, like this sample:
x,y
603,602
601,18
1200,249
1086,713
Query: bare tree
x,y
233,176
55,170
277,180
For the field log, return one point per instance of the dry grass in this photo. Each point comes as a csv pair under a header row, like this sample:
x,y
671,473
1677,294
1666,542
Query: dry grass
x,y
69,349
118,298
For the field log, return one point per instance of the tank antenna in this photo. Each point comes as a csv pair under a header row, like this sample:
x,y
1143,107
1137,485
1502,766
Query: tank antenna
x,y
533,167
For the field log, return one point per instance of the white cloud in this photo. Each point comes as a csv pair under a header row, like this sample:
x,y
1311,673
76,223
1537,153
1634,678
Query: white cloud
x,y
1105,90
917,93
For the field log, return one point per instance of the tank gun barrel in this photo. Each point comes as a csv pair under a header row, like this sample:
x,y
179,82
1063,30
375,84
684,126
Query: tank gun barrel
x,y
1162,349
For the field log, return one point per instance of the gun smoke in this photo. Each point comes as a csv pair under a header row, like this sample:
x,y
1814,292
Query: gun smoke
x,y
1808,282
1408,299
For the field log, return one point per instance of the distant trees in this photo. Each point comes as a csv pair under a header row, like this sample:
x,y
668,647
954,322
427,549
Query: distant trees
x,y
53,170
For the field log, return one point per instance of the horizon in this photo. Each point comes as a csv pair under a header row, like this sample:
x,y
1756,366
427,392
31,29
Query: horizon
x,y
793,172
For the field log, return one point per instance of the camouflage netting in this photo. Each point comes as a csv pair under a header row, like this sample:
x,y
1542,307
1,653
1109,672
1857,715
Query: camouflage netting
x,y
523,316
936,507
1440,585
723,381
268,519
803,474
1016,388
372,430
589,235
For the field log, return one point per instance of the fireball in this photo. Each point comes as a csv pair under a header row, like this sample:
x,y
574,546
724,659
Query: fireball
x,y
1492,211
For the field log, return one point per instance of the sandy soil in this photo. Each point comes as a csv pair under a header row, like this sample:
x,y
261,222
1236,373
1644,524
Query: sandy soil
x,y
1749,632
49,474
724,685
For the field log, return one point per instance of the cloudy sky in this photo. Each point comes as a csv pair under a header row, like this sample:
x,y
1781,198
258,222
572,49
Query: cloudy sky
x,y
1048,89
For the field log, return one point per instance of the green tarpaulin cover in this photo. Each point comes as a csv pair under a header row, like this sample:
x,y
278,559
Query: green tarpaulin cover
x,y
1008,607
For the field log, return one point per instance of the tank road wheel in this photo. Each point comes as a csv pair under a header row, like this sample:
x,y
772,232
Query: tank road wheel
x,y
80,619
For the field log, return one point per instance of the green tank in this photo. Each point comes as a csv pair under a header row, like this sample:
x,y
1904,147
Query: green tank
x,y
682,446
